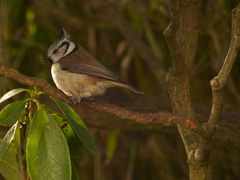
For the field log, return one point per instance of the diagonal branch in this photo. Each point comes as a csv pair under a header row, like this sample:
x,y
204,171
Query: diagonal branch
x,y
147,118
218,83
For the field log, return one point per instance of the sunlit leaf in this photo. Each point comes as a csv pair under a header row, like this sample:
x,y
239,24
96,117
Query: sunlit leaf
x,y
7,141
12,112
77,125
12,93
47,151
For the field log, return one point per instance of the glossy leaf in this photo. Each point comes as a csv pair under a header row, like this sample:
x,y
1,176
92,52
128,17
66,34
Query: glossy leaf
x,y
12,112
77,125
47,152
64,125
7,141
74,144
12,93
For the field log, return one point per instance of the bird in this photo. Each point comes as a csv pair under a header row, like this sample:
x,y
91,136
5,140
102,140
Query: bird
x,y
77,73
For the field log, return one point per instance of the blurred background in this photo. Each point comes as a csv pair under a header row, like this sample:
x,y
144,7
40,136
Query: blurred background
x,y
127,37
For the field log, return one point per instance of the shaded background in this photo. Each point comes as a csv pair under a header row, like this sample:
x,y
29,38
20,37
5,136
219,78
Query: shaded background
x,y
127,37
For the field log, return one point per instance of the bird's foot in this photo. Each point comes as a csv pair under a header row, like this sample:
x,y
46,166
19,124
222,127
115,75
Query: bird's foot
x,y
75,100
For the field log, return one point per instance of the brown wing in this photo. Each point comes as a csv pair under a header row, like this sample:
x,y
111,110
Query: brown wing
x,y
80,61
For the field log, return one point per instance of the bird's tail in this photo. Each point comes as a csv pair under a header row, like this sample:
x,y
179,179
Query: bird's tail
x,y
123,85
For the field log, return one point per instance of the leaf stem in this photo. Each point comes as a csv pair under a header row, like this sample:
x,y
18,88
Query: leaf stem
x,y
23,129
23,136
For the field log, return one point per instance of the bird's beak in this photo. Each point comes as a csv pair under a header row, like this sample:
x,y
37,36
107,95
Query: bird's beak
x,y
46,58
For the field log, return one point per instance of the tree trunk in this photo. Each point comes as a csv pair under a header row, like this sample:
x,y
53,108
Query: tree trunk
x,y
201,172
182,37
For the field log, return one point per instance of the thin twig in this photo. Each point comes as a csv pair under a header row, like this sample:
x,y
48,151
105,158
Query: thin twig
x,y
148,118
218,83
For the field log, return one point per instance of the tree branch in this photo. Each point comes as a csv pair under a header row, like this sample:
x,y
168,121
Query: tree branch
x,y
218,83
148,118
182,38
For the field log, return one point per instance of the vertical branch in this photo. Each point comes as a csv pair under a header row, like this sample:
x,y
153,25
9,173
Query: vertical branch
x,y
182,37
23,138
218,83
23,131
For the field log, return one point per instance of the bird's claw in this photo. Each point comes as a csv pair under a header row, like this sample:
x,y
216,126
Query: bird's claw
x,y
75,100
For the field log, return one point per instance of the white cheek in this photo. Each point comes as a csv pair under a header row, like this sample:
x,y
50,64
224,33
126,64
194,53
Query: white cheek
x,y
54,58
70,48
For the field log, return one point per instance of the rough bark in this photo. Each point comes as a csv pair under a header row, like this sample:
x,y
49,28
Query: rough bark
x,y
182,37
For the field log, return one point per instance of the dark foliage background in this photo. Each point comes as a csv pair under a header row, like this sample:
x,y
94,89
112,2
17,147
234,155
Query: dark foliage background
x,y
129,151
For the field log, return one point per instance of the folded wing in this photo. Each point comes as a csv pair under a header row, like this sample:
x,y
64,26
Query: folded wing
x,y
80,61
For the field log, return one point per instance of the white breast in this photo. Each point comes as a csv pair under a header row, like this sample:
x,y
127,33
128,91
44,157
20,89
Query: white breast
x,y
77,85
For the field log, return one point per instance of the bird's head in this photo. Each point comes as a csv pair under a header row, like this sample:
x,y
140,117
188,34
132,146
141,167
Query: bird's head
x,y
62,47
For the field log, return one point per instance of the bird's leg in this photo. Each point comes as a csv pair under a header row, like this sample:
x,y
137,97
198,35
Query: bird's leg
x,y
75,100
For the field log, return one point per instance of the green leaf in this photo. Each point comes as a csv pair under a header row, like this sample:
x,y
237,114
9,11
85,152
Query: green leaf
x,y
17,145
77,125
7,141
12,93
47,152
64,125
9,165
12,112
74,144
75,170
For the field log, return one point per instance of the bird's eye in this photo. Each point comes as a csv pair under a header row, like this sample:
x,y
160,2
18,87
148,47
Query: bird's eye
x,y
55,51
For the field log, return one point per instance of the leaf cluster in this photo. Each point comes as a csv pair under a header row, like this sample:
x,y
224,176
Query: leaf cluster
x,y
40,138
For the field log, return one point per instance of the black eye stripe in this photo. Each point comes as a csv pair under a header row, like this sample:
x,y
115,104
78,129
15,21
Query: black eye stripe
x,y
67,45
55,51
63,44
